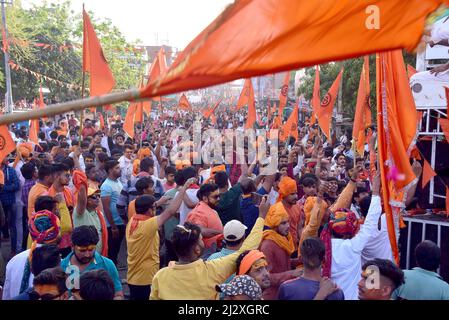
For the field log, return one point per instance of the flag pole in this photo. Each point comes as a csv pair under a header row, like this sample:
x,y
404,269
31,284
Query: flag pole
x,y
83,85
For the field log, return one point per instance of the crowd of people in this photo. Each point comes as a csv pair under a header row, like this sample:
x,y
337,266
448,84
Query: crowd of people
x,y
313,229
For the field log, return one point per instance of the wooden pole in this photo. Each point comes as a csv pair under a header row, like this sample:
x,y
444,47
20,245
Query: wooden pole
x,y
76,105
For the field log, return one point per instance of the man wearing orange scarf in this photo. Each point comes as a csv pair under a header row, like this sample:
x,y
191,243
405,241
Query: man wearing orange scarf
x,y
277,246
288,198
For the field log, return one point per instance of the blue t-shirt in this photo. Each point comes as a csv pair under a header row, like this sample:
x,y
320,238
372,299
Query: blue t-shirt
x,y
112,188
249,211
304,289
99,262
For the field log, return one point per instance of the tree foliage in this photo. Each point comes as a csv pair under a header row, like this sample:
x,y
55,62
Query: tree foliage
x,y
56,24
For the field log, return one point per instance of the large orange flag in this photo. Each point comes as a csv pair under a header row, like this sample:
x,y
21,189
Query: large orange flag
x,y
324,111
184,103
128,124
316,98
7,144
427,174
290,128
247,95
292,34
209,112
397,127
101,78
284,94
158,69
362,118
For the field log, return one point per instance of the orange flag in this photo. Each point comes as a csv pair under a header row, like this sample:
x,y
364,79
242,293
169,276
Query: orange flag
x,y
290,128
396,119
184,103
316,98
101,78
34,129
209,112
247,95
7,144
128,125
41,103
100,116
427,174
158,69
411,71
284,94
292,34
324,112
362,118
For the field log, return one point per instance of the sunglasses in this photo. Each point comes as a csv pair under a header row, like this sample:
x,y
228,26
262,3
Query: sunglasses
x,y
45,297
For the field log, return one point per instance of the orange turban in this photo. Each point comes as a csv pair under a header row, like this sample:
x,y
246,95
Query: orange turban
x,y
287,186
181,164
275,215
143,153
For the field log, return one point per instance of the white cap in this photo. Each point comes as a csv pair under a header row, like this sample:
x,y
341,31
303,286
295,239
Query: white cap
x,y
234,230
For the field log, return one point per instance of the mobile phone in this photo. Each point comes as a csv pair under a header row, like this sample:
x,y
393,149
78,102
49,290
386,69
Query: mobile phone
x,y
257,198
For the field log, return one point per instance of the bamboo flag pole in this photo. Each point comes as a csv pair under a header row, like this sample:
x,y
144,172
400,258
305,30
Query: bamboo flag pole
x,y
75,105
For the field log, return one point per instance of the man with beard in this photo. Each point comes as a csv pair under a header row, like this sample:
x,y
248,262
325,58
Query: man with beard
x,y
205,216
61,181
84,257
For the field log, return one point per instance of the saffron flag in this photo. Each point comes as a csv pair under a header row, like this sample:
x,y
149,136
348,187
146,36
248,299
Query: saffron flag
x,y
290,128
292,34
158,69
427,174
101,78
246,96
34,128
411,71
396,118
128,125
7,144
101,118
184,103
324,111
316,98
209,112
362,118
284,94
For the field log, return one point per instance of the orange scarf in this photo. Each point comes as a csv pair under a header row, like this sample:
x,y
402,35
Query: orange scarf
x,y
104,234
135,222
285,243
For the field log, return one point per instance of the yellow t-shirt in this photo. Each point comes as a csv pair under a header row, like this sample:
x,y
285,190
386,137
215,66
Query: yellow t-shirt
x,y
143,252
197,280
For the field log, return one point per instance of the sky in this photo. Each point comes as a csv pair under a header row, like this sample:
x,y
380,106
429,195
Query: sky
x,y
154,22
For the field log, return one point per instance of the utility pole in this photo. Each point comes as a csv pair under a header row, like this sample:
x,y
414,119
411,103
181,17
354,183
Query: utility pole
x,y
8,96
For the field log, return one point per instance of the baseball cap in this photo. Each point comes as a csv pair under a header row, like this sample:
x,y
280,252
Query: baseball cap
x,y
241,285
234,230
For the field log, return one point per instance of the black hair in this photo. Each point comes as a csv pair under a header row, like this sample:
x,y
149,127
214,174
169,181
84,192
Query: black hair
x,y
364,206
44,203
146,164
221,179
144,203
44,257
185,238
28,170
95,146
170,170
89,167
96,285
308,182
54,276
428,255
179,178
45,171
282,166
41,135
230,243
54,135
339,155
312,252
308,176
278,176
85,145
206,189
129,147
110,164
143,183
69,162
85,236
116,151
60,167
188,173
248,186
328,152
387,269
332,179
61,137
102,157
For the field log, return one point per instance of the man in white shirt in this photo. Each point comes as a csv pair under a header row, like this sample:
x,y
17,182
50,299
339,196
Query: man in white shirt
x,y
190,199
126,164
346,246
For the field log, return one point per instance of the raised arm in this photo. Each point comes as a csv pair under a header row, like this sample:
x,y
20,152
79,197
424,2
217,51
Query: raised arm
x,y
175,204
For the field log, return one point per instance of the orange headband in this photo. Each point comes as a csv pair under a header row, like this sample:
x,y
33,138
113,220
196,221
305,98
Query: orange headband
x,y
248,261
